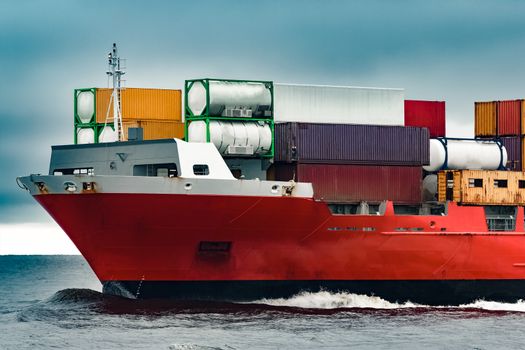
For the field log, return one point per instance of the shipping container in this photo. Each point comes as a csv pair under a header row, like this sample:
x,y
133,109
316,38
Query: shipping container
x,y
508,117
338,183
514,153
522,119
338,104
522,153
152,104
351,144
93,105
156,129
426,114
103,108
485,118
482,187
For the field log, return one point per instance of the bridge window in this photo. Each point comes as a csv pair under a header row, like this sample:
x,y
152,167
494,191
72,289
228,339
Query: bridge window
x,y
201,169
164,170
74,171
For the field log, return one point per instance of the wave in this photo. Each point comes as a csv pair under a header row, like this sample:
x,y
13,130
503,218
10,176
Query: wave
x,y
196,347
329,301
73,301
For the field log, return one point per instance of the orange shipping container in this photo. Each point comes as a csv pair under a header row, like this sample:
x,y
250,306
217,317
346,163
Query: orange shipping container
x,y
103,97
485,118
156,129
142,104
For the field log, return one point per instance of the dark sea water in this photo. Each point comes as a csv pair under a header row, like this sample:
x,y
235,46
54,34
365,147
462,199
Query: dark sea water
x,y
54,302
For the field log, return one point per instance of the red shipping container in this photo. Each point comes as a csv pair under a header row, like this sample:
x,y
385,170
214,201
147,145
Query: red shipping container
x,y
426,114
508,118
355,183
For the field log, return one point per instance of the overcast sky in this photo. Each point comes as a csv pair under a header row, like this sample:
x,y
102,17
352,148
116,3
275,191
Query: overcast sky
x,y
457,51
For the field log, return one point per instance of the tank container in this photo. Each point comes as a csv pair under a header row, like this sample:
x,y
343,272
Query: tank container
x,y
460,154
84,106
235,115
231,137
229,98
85,135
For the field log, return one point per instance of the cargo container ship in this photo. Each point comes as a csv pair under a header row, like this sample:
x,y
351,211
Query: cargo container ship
x,y
267,190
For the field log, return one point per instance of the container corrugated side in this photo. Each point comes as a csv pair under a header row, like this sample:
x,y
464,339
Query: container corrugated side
x,y
523,117
508,117
338,104
426,114
103,97
514,153
355,183
522,153
142,104
154,104
485,118
488,193
351,144
156,129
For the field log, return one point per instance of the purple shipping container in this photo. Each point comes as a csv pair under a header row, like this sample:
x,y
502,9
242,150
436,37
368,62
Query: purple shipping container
x,y
513,146
355,183
508,117
351,144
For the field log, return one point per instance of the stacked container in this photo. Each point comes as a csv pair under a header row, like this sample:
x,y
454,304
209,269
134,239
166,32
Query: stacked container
x,y
503,120
351,163
426,114
235,115
156,111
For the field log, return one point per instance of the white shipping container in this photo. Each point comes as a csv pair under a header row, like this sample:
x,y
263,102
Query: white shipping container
x,y
338,104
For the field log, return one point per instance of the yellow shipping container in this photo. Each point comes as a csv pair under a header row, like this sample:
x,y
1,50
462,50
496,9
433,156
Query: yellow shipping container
x,y
103,97
156,129
485,118
482,187
142,104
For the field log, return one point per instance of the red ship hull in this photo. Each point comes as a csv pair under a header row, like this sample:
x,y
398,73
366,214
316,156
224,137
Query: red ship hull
x,y
247,247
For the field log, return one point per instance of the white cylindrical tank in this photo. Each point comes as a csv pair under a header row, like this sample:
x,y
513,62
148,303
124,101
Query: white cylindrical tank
x,y
108,135
224,134
85,106
466,154
226,94
85,135
429,188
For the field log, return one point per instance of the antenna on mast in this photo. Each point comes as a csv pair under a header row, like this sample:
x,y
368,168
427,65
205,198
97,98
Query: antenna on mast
x,y
115,70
